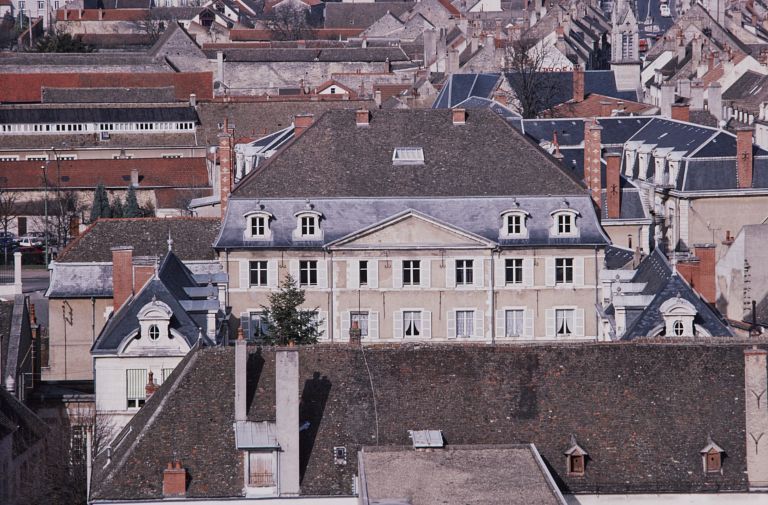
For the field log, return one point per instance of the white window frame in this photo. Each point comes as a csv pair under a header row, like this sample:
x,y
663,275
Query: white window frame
x,y
420,326
468,319
373,322
353,273
572,217
515,281
408,156
136,401
360,313
8,158
309,265
517,214
261,490
565,269
577,331
572,327
467,268
265,271
249,217
317,232
521,329
412,270
528,322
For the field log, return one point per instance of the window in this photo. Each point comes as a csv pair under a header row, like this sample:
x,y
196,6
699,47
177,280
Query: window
x,y
513,323
154,332
514,224
21,5
563,270
513,271
261,469
136,382
258,226
564,224
37,158
465,323
713,461
363,272
40,5
340,455
78,442
411,323
258,273
408,156
576,464
67,157
9,158
411,272
171,156
362,322
308,225
464,274
564,322
678,328
259,326
308,273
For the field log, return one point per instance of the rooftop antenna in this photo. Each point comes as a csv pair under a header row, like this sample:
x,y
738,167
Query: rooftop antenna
x,y
170,240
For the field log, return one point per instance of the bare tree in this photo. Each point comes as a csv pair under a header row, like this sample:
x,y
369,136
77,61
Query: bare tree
x,y
9,207
289,23
534,88
151,24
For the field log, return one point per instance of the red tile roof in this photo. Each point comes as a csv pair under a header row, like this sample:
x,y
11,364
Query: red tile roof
x,y
591,106
153,173
107,14
27,87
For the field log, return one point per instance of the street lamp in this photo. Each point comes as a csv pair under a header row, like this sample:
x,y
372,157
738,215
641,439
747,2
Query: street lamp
x,y
45,206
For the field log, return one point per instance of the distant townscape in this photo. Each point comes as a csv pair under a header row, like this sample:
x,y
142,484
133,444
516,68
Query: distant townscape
x,y
362,252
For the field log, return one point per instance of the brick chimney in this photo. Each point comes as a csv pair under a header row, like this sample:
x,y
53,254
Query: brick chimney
x,y
699,271
578,84
459,116
606,108
174,481
225,166
301,122
613,185
592,151
744,162
122,275
681,112
151,386
362,117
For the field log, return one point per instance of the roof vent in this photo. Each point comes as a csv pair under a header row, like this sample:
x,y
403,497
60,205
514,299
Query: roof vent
x,y
408,156
427,439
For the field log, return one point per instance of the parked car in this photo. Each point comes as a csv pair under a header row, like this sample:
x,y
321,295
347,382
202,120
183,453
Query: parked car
x,y
30,241
7,239
665,12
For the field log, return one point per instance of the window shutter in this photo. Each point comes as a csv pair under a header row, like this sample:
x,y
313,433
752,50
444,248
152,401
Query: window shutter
x,y
479,324
322,273
450,273
353,274
528,275
550,262
346,323
499,271
373,324
450,317
528,318
322,315
578,322
244,274
426,324
478,272
373,274
397,324
272,280
136,383
295,270
550,322
426,272
245,324
578,271
397,274
501,323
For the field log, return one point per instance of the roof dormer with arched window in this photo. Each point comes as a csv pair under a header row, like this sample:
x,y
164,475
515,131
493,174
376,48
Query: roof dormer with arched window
x,y
257,225
514,224
564,222
308,224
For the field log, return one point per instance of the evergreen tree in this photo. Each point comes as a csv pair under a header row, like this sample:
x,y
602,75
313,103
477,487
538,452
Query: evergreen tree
x,y
117,208
131,208
286,322
100,206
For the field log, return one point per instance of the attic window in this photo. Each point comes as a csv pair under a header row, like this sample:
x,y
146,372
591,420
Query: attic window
x,y
575,459
340,455
712,457
408,156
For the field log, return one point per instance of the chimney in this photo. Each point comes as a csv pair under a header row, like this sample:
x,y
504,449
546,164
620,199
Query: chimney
x,y
220,66
578,84
613,185
192,100
755,385
151,386
744,156
377,98
684,86
210,324
101,14
241,376
225,167
362,117
174,481
135,177
593,133
697,95
606,108
715,100
287,418
705,274
430,47
696,50
680,47
453,61
301,122
667,98
459,116
681,112
122,275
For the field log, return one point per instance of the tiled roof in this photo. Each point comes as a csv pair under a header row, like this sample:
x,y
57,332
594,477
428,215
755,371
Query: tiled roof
x,y
192,239
101,14
333,54
87,173
108,95
361,15
115,141
357,161
27,87
656,406
592,106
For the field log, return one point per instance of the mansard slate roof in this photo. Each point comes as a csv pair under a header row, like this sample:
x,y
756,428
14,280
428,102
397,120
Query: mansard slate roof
x,y
460,87
570,132
342,217
60,113
654,418
602,82
192,239
483,157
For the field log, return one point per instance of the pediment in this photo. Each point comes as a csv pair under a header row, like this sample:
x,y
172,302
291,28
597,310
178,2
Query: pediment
x,y
411,230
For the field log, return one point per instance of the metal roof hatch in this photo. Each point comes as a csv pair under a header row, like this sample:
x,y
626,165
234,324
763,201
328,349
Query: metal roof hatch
x,y
423,439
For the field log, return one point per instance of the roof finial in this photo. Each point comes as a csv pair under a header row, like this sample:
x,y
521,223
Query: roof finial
x,y
170,240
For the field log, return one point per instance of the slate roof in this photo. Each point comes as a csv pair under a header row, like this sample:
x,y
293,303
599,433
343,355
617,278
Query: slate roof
x,y
80,281
17,420
346,216
460,87
361,15
30,114
308,55
602,82
116,140
570,132
357,161
192,239
617,257
654,418
108,95
6,317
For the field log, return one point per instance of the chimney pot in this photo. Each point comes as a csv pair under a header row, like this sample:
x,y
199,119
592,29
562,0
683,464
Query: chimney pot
x,y
301,122
192,100
459,116
151,386
174,481
362,117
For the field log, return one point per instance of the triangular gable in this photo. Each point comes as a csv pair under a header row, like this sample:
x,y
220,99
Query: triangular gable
x,y
408,230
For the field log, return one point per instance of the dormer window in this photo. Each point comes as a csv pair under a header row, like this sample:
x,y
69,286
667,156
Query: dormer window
x,y
576,459
513,224
564,223
679,315
712,457
154,332
408,156
257,226
308,226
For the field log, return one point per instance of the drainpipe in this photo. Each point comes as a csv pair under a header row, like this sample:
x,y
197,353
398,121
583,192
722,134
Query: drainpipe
x,y
492,293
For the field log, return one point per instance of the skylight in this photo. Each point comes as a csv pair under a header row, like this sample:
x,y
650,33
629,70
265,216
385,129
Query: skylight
x,y
408,156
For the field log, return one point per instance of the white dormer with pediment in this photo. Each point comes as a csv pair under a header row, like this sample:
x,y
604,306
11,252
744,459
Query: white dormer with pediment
x,y
564,222
257,225
644,155
308,224
154,335
660,164
514,224
630,157
678,315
